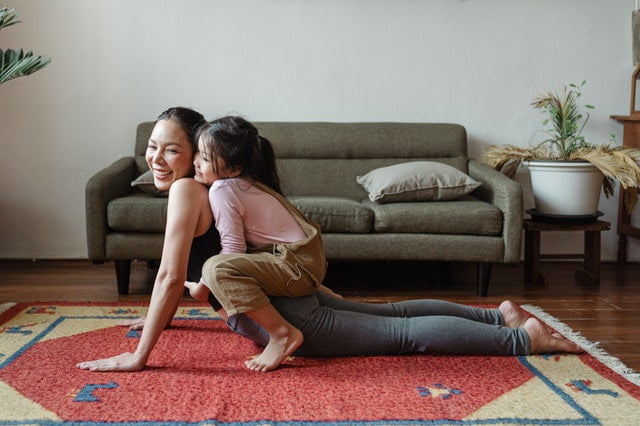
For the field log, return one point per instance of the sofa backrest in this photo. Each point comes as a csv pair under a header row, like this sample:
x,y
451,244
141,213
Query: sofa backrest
x,y
323,158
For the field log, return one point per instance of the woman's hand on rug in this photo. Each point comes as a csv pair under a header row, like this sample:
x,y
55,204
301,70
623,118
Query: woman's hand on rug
x,y
136,323
124,362
133,324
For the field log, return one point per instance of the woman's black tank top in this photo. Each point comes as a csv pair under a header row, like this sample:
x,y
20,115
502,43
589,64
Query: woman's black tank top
x,y
202,248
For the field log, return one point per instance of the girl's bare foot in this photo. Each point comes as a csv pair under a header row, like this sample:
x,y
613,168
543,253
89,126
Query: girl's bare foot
x,y
198,291
513,316
280,346
542,340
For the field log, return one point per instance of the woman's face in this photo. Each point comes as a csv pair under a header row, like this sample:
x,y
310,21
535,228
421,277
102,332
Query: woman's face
x,y
169,154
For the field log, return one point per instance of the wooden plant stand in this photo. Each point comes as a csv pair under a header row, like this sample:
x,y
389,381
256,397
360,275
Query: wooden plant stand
x,y
590,273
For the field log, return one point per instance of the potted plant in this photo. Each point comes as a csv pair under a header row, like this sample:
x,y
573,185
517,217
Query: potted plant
x,y
17,63
567,172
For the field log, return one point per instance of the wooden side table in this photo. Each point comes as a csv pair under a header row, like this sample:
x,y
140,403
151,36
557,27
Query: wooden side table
x,y
631,137
591,268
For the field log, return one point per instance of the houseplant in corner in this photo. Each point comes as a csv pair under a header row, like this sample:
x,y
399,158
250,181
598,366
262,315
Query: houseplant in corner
x,y
567,172
17,63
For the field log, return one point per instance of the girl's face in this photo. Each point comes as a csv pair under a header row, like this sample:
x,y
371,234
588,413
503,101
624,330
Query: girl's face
x,y
205,172
169,154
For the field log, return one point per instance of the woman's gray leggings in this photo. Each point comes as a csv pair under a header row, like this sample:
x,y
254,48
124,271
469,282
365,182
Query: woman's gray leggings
x,y
338,327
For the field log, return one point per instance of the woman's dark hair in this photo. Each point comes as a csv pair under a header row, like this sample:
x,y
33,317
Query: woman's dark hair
x,y
238,143
188,119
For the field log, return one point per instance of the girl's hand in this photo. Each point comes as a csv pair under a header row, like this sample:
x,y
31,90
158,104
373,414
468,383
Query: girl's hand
x,y
133,324
124,362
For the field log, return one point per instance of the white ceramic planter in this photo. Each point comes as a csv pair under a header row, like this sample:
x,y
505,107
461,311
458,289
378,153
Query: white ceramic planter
x,y
565,188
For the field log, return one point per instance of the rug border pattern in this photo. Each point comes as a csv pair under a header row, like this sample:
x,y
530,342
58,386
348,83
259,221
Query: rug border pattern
x,y
591,347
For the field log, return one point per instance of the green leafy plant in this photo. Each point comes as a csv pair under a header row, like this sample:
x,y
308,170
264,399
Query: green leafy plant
x,y
564,141
17,63
566,120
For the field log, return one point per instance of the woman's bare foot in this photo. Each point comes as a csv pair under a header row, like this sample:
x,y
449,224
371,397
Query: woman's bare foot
x,y
198,291
513,316
542,340
280,346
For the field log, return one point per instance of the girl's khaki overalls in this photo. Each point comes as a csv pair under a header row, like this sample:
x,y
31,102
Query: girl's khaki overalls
x,y
242,281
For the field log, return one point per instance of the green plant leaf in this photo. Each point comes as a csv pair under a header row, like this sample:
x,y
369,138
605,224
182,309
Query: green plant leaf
x,y
16,63
8,17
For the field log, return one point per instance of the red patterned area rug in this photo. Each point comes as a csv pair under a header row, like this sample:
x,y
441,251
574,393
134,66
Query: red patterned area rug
x,y
196,376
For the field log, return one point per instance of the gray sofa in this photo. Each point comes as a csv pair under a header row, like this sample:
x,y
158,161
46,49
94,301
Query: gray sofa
x,y
318,164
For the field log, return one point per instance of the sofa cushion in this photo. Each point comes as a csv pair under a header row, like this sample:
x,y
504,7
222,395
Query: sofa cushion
x,y
335,214
137,212
416,181
467,216
144,182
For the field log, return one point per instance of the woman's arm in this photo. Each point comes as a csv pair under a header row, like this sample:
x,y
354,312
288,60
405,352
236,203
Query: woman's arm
x,y
138,323
186,218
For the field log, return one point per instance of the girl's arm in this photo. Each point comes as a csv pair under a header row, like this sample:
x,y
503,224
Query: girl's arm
x,y
227,212
184,220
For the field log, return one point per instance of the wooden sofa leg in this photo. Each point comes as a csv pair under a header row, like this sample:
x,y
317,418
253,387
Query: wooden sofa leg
x,y
123,270
484,275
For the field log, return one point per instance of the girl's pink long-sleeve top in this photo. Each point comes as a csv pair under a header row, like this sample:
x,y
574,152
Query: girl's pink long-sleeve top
x,y
247,217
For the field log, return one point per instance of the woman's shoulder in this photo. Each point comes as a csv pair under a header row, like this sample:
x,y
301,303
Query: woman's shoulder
x,y
188,201
187,187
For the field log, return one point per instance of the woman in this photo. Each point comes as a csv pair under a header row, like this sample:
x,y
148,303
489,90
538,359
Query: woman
x,y
331,326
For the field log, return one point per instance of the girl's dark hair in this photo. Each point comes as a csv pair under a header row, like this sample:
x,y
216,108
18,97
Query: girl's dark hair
x,y
188,119
238,143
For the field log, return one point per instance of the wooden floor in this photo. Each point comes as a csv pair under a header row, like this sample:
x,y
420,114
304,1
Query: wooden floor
x,y
607,313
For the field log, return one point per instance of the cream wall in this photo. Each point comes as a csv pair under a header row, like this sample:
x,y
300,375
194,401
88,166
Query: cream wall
x,y
119,62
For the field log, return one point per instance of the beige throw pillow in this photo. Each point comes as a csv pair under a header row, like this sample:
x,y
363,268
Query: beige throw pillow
x,y
416,181
144,182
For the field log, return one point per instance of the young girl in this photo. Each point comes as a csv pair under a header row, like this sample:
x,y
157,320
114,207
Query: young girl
x,y
268,246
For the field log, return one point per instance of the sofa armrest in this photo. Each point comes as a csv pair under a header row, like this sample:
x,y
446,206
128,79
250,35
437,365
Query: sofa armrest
x,y
505,194
111,182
